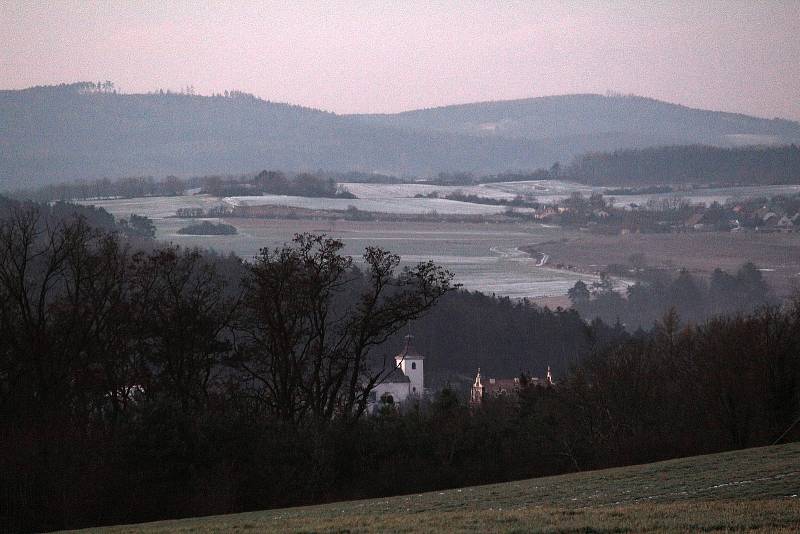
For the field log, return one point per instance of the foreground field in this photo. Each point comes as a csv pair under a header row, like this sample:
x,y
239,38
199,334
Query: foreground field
x,y
755,490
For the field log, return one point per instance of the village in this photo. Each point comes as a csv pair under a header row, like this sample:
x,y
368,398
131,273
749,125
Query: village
x,y
405,383
602,215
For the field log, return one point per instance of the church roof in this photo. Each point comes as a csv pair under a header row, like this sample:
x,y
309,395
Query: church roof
x,y
409,352
396,376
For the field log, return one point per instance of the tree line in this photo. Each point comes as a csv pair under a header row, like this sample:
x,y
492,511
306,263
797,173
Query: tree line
x,y
634,171
105,188
696,299
674,391
690,164
275,183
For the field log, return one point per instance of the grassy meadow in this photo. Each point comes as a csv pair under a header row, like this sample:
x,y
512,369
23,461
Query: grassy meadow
x,y
751,490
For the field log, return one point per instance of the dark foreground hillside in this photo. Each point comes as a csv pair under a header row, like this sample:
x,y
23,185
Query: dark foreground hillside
x,y
754,490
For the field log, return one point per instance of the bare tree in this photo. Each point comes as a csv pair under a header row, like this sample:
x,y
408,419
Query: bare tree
x,y
312,320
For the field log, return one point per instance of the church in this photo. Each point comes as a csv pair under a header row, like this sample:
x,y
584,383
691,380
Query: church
x,y
406,382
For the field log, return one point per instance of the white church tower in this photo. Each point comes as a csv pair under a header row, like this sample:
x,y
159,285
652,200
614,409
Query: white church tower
x,y
411,363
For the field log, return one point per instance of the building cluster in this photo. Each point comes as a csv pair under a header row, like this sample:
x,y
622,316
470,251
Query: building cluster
x,y
406,382
485,388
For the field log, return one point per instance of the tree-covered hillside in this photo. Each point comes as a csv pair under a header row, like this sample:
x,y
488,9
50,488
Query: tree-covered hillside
x,y
63,133
88,131
695,164
594,120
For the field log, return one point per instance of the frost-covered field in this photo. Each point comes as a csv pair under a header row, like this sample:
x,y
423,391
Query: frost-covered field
x,y
548,191
543,190
709,196
154,207
398,205
379,191
484,257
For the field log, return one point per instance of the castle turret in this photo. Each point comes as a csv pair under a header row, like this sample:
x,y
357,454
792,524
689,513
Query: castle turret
x,y
411,362
476,395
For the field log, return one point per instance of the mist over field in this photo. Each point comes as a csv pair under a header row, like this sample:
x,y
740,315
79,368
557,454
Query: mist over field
x,y
413,267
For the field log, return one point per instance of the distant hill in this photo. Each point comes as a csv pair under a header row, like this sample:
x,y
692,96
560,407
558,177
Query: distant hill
x,y
69,132
622,120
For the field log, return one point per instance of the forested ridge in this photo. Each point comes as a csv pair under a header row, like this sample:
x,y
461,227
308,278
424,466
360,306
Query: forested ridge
x,y
90,131
65,133
697,164
140,381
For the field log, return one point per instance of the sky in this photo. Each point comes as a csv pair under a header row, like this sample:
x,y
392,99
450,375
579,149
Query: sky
x,y
356,57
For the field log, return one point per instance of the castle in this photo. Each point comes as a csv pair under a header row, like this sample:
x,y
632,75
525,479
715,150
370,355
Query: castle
x,y
496,387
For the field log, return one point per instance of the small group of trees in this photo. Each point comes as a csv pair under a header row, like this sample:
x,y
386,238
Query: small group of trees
x,y
694,298
275,183
519,201
138,225
199,213
209,228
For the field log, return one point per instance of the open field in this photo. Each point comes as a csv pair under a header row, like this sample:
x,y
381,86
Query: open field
x,y
549,191
488,257
544,190
395,205
484,257
754,490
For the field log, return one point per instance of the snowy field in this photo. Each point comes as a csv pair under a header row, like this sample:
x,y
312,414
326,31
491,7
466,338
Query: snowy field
x,y
543,190
709,196
397,205
549,191
154,207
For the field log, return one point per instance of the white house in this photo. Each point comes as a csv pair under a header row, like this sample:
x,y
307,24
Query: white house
x,y
405,382
785,223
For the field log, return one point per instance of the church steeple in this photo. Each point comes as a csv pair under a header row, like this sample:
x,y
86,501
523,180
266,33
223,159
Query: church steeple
x,y
409,352
411,363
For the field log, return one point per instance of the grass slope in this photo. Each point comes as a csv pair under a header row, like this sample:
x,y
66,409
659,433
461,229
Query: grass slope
x,y
755,489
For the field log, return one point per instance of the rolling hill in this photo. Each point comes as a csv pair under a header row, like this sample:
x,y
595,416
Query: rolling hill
x,y
595,119
66,132
753,489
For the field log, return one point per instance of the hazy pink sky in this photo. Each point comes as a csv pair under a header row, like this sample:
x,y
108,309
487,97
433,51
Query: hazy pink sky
x,y
392,56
